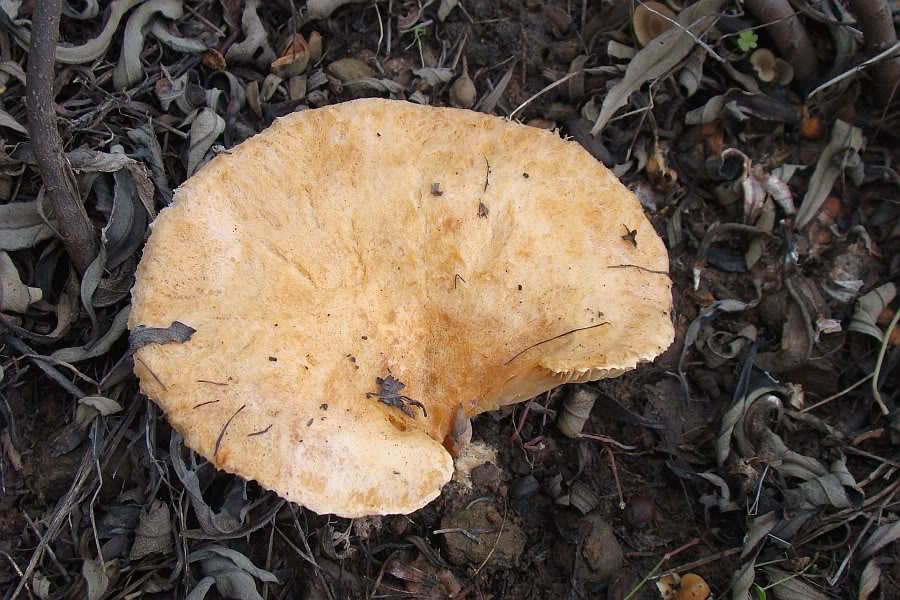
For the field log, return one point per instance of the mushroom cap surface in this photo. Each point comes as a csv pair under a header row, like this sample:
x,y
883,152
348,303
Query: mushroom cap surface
x,y
319,255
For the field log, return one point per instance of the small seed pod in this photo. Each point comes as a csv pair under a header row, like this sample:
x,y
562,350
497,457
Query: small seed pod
x,y
575,411
462,93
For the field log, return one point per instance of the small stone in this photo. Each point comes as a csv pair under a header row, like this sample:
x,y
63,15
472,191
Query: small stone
x,y
483,522
603,556
486,475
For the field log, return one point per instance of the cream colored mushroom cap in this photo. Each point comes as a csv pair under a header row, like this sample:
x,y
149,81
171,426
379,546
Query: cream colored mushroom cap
x,y
319,255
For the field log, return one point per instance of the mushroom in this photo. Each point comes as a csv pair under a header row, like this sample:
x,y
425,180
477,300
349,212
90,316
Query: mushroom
x,y
343,315
770,68
651,19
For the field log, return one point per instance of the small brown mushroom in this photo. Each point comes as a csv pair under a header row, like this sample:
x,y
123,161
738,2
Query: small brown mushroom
x,y
693,587
770,68
650,21
347,321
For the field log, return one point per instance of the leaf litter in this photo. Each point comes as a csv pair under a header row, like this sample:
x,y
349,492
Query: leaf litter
x,y
755,431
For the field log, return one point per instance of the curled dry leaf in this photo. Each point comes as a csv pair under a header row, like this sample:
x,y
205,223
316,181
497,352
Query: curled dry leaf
x,y
869,580
869,307
350,69
129,70
294,59
15,296
254,48
154,532
843,137
22,225
205,130
791,586
660,56
575,410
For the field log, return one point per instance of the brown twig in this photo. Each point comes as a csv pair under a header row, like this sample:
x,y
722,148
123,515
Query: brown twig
x,y
789,35
75,227
877,24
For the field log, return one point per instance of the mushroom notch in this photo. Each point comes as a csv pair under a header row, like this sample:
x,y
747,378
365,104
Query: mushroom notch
x,y
345,315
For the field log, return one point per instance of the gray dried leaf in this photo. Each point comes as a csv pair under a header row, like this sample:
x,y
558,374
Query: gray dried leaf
x,y
103,405
660,56
98,348
91,50
201,589
176,42
757,531
144,137
93,161
722,499
869,307
15,296
575,410
843,137
205,130
446,8
350,69
22,225
489,103
129,69
142,336
386,86
881,537
692,72
96,579
322,9
742,581
89,282
211,522
233,574
721,346
124,233
707,315
837,489
154,532
254,48
734,417
790,586
869,580
434,76
7,120
90,9
41,586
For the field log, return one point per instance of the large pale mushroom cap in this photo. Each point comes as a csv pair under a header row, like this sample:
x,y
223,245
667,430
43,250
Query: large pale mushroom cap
x,y
318,256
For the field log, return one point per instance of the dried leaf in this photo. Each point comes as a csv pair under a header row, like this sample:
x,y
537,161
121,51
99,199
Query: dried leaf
x,y
869,580
129,70
254,48
385,86
869,307
103,405
22,226
144,137
100,347
201,589
690,75
721,500
757,531
96,579
881,537
177,332
154,532
660,56
127,226
790,586
575,410
232,573
446,8
205,130
489,103
177,43
89,282
837,489
211,522
322,9
434,76
15,296
7,120
844,136
91,50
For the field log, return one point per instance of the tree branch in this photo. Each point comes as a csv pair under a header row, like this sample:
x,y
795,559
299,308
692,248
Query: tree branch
x,y
75,227
789,35
877,25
